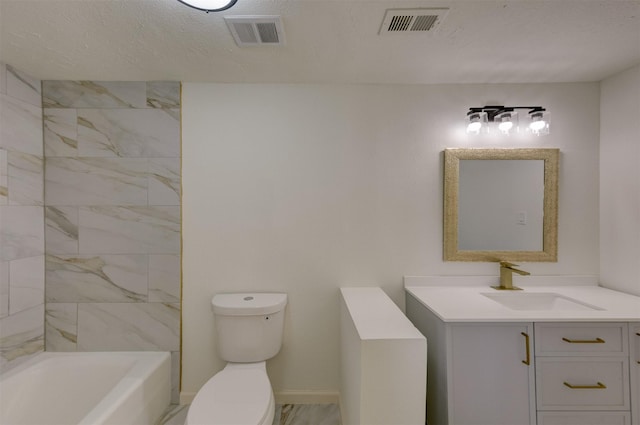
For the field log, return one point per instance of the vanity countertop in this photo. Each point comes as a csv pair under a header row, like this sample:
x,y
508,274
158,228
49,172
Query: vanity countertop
x,y
453,301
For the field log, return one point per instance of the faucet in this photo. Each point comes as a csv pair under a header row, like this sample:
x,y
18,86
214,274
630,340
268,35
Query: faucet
x,y
506,276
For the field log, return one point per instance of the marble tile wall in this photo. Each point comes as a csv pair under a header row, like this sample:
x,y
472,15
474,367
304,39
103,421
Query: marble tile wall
x,y
112,216
22,280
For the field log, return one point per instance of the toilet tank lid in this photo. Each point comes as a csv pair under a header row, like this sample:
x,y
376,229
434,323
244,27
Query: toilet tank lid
x,y
248,304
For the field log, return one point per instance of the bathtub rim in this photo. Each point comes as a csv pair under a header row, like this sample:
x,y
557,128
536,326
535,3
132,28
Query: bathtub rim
x,y
145,364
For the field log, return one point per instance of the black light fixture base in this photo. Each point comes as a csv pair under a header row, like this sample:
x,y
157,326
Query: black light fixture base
x,y
493,111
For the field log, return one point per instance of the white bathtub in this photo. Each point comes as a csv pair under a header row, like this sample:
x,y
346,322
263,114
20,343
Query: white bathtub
x,y
117,388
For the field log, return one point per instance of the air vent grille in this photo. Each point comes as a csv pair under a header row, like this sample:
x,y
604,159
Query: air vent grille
x,y
256,30
400,23
423,20
268,32
245,33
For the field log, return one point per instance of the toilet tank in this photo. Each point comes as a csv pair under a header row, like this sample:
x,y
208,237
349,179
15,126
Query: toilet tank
x,y
249,326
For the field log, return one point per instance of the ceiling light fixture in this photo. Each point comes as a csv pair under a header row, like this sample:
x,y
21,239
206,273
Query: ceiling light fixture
x,y
209,5
481,120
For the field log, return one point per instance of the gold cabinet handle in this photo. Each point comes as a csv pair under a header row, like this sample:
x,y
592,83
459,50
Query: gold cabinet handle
x,y
597,386
526,341
584,341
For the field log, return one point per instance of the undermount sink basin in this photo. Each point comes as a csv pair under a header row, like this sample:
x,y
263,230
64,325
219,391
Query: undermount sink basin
x,y
538,301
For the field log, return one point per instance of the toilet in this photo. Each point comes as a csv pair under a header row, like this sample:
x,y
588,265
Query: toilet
x,y
249,329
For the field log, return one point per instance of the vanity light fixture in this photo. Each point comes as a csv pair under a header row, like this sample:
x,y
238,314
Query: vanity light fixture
x,y
209,5
482,119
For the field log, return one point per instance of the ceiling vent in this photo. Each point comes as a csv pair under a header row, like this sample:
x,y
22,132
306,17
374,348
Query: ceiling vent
x,y
418,21
256,30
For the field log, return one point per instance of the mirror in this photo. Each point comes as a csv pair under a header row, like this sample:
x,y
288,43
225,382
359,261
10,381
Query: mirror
x,y
500,204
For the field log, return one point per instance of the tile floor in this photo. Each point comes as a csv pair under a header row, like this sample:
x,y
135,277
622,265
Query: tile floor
x,y
307,414
286,414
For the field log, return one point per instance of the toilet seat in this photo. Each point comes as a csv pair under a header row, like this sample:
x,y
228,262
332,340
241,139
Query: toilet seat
x,y
240,394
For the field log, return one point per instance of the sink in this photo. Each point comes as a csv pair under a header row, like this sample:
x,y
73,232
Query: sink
x,y
538,301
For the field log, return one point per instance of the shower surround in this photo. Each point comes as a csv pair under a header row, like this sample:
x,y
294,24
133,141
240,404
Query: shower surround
x,y
112,217
21,218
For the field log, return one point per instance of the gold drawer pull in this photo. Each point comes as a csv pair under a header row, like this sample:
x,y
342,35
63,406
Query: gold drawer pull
x,y
584,341
598,386
526,342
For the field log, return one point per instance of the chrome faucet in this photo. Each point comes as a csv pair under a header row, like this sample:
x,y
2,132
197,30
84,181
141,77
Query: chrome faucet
x,y
506,276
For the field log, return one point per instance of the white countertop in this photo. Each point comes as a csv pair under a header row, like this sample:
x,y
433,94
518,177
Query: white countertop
x,y
453,301
375,316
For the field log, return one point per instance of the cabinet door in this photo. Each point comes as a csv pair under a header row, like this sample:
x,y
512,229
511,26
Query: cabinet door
x,y
634,339
490,381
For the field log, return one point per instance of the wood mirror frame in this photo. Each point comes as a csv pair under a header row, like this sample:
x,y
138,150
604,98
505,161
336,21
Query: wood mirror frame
x,y
452,158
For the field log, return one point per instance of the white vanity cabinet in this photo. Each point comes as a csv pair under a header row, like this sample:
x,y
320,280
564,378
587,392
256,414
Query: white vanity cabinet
x,y
634,339
519,373
582,373
583,357
477,373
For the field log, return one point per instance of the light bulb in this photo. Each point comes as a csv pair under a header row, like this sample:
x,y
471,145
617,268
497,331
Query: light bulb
x,y
538,124
505,126
474,127
475,123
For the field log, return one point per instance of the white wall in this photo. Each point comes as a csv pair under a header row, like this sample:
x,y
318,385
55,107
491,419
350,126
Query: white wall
x,y
307,188
620,181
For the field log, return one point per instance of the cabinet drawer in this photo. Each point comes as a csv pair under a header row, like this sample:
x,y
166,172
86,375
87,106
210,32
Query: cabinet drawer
x,y
570,339
584,418
578,383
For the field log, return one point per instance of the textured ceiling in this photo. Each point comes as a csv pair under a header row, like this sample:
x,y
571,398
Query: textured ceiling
x,y
327,41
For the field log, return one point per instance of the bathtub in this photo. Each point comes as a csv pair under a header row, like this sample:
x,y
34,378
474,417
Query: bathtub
x,y
117,388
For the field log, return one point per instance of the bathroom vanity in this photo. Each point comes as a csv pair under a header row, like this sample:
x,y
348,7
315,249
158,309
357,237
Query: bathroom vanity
x,y
561,351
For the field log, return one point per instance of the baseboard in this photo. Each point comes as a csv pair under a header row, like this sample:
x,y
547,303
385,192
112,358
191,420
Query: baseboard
x,y
287,397
307,397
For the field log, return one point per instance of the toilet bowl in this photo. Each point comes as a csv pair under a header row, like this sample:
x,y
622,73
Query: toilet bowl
x,y
240,394
249,330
